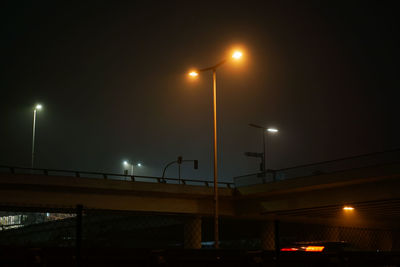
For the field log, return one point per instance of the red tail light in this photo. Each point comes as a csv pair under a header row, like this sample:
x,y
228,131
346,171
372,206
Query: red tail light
x,y
289,249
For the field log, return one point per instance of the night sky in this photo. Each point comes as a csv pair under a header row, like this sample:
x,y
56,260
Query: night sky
x,y
112,78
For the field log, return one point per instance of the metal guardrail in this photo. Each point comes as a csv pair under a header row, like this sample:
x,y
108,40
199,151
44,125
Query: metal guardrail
x,y
110,176
324,167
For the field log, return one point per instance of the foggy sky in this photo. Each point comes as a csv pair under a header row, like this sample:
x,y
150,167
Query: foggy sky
x,y
111,76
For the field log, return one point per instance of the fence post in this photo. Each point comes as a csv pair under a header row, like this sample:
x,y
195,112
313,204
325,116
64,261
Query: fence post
x,y
79,209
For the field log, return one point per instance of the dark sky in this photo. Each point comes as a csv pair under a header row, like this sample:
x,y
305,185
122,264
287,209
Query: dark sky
x,y
111,76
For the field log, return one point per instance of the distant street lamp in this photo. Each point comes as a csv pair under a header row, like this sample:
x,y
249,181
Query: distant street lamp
x,y
348,208
264,132
194,74
37,107
128,165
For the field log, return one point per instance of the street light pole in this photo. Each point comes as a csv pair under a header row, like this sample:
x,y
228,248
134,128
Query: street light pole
x,y
38,107
216,207
264,164
33,137
265,131
236,55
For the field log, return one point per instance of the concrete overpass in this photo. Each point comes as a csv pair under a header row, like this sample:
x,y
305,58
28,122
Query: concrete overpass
x,y
39,191
373,190
316,199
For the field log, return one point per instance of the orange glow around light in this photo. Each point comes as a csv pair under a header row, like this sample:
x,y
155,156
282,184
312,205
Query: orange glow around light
x,y
193,74
315,248
348,208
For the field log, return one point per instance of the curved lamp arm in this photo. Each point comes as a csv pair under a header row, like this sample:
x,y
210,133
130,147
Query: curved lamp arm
x,y
195,161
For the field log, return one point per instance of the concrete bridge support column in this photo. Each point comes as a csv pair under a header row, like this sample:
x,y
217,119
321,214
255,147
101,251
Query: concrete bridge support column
x,y
192,233
385,241
268,239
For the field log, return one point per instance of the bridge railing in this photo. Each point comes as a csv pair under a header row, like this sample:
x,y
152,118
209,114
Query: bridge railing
x,y
111,176
330,166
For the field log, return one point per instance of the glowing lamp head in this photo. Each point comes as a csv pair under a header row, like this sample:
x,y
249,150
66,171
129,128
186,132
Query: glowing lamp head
x,y
125,162
237,55
38,107
139,164
193,74
348,208
272,130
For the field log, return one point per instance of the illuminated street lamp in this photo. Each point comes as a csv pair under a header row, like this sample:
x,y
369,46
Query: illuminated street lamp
x,y
237,55
128,165
37,107
265,131
194,74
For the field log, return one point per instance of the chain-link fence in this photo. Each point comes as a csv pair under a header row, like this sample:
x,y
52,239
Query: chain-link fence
x,y
37,229
138,230
364,239
100,231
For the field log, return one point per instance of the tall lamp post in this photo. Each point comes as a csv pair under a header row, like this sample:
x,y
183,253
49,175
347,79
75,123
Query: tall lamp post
x,y
194,74
265,131
37,107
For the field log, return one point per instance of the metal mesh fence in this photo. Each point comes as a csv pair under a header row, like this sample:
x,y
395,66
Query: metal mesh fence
x,y
131,237
133,230
37,229
364,239
130,230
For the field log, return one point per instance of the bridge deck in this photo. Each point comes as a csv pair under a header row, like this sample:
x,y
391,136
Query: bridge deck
x,y
374,190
